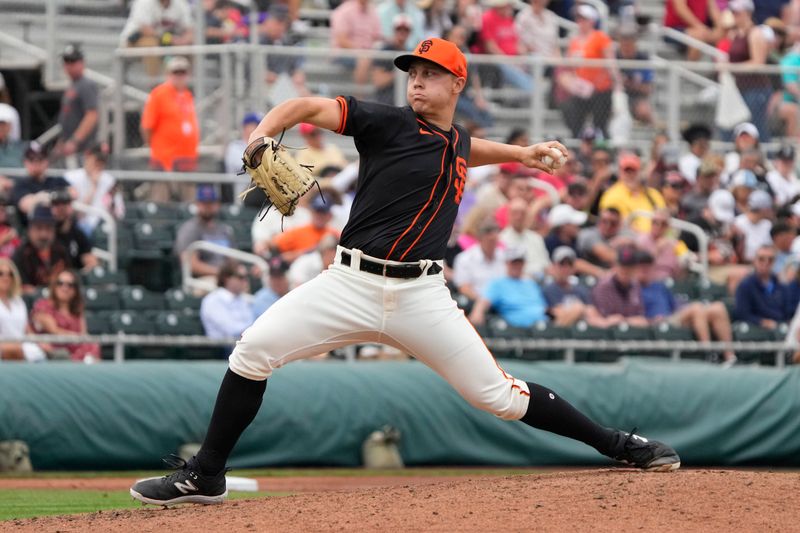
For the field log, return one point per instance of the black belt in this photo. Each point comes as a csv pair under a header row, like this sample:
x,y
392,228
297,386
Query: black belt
x,y
411,270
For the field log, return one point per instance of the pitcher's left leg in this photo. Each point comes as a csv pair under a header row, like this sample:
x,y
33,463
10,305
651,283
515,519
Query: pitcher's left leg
x,y
431,327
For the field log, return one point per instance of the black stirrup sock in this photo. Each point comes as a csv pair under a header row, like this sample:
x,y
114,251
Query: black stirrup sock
x,y
238,402
550,412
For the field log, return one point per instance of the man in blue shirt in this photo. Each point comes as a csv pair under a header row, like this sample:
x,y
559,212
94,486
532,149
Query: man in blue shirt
x,y
703,318
519,301
761,298
227,310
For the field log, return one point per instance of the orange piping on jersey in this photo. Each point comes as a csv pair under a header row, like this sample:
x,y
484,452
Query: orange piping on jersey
x,y
446,189
343,117
430,198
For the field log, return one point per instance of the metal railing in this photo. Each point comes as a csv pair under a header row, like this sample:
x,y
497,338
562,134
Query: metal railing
x,y
192,283
568,346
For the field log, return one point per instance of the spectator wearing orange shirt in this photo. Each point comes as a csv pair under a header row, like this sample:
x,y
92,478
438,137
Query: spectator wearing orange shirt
x,y
589,88
169,126
295,242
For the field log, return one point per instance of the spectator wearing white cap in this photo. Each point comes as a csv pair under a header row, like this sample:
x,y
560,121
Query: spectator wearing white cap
x,y
782,178
756,223
517,299
750,46
565,222
387,13
567,300
742,184
745,137
383,70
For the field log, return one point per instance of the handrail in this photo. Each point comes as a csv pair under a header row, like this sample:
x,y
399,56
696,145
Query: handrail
x,y
694,229
191,283
691,42
569,346
551,191
110,255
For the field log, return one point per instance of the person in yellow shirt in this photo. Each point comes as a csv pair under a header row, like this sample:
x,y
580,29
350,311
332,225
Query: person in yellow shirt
x,y
631,194
318,154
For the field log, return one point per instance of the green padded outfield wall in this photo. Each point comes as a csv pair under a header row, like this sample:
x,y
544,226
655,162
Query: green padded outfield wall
x,y
111,416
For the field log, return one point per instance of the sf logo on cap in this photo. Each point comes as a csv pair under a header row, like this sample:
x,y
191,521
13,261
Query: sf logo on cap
x,y
425,46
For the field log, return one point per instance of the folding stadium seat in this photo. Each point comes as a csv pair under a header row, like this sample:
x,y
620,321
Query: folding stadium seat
x,y
463,302
237,213
185,323
178,300
155,211
130,322
101,276
98,299
711,292
665,331
742,331
583,331
684,290
499,328
154,236
97,322
547,331
135,297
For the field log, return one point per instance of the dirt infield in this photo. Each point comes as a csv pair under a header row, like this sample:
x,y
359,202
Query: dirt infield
x,y
596,501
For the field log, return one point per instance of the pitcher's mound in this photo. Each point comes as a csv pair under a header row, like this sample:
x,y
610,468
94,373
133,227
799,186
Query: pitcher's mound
x,y
594,501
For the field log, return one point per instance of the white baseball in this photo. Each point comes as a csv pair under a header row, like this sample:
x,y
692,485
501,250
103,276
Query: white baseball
x,y
554,159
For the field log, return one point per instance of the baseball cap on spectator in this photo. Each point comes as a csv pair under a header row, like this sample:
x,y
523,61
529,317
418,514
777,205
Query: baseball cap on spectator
x,y
177,64
577,188
401,20
307,129
722,205
744,178
488,226
437,51
630,161
207,193
785,153
628,255
277,266
675,180
319,205
72,53
589,134
42,215
511,168
741,5
251,118
696,132
60,196
6,114
562,253
35,152
515,254
746,127
586,11
759,200
565,214
643,257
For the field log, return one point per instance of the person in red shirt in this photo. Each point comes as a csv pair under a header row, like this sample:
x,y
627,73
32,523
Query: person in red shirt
x,y
169,126
699,19
499,36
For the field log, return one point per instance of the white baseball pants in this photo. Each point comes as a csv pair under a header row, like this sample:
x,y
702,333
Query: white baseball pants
x,y
344,305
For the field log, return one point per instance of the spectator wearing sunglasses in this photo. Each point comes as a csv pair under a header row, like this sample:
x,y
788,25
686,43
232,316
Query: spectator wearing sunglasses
x,y
761,298
62,313
597,244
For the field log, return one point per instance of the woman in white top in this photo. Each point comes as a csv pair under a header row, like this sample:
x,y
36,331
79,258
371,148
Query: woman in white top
x,y
96,187
14,317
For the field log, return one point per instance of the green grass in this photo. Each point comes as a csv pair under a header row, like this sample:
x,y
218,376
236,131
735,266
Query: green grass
x,y
291,472
41,502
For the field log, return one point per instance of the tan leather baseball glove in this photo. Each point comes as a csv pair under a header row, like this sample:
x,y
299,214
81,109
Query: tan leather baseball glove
x,y
277,173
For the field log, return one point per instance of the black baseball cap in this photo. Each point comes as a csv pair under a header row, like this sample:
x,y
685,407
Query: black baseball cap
x,y
696,132
277,266
785,153
60,196
35,151
628,255
71,53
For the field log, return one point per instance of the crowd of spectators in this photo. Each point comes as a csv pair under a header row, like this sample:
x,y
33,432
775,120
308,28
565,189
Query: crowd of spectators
x,y
597,241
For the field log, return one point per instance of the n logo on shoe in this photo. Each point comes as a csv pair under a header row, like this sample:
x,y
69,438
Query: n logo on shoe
x,y
185,487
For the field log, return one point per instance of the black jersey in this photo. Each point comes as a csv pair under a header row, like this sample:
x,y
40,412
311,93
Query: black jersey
x,y
411,179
